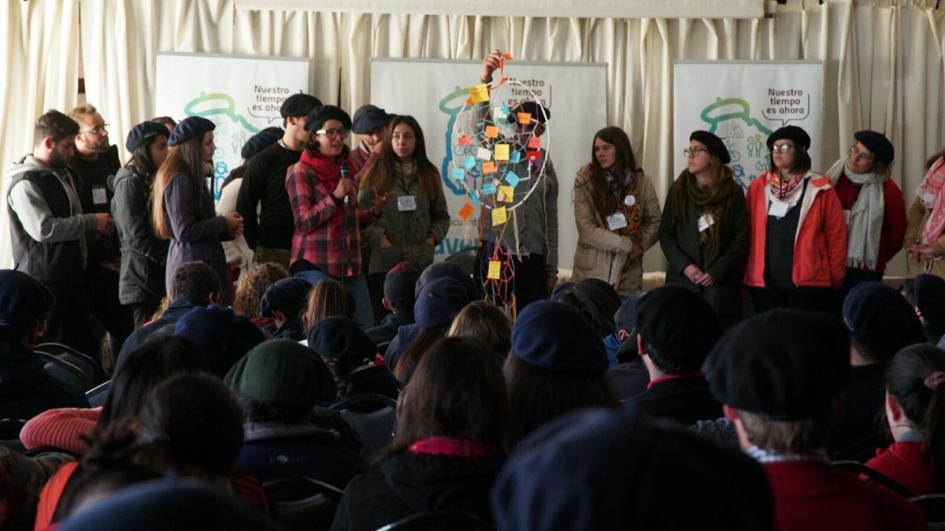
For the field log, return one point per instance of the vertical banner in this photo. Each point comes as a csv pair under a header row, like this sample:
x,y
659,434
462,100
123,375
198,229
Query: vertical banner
x,y
743,102
241,95
435,92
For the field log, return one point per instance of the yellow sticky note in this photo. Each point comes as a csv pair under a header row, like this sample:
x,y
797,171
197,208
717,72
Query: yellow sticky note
x,y
499,217
488,167
524,118
495,270
501,152
508,192
492,131
479,93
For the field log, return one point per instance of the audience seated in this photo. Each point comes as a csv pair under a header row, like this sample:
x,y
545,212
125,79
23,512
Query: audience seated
x,y
929,291
779,376
487,322
437,303
221,335
351,355
251,287
449,442
627,373
279,382
676,329
284,302
399,298
327,298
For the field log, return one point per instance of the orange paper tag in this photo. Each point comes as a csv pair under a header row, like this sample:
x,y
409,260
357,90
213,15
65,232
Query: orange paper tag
x,y
488,167
524,118
466,211
492,131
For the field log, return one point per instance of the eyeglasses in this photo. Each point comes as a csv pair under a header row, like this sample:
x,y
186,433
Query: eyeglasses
x,y
332,132
694,152
783,148
97,131
859,156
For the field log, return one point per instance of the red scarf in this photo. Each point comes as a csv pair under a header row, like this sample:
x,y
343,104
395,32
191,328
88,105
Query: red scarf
x,y
455,447
328,170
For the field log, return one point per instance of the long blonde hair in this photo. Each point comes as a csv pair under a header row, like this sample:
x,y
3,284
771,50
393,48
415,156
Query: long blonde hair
x,y
184,159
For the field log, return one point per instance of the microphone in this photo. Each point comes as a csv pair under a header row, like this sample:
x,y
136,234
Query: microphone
x,y
344,175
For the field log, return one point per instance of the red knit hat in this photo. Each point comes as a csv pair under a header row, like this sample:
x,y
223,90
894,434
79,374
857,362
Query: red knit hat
x,y
60,428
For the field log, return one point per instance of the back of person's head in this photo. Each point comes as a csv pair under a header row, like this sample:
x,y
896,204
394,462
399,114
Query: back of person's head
x,y
196,282
298,106
457,390
260,141
880,321
445,270
558,364
930,302
54,124
326,299
142,369
916,379
24,304
907,290
344,346
399,285
288,296
677,328
192,422
252,285
280,381
593,303
486,321
600,470
782,372
221,335
158,505
436,305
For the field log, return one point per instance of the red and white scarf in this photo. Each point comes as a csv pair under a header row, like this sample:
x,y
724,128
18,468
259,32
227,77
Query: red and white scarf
x,y
932,194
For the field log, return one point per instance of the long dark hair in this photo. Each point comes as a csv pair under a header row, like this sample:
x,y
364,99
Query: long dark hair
x,y
626,162
416,349
140,161
184,159
924,407
457,390
380,175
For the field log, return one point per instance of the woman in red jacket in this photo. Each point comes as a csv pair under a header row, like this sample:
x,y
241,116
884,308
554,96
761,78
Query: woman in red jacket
x,y
915,396
798,238
872,205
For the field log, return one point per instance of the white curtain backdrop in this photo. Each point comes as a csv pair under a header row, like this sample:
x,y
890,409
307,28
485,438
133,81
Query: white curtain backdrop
x,y
884,62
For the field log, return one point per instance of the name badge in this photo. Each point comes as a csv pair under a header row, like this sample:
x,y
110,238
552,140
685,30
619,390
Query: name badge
x,y
99,197
706,221
778,209
406,203
630,200
616,221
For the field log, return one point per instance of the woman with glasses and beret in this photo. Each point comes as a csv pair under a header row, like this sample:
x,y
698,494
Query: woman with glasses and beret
x,y
797,245
323,193
704,228
873,206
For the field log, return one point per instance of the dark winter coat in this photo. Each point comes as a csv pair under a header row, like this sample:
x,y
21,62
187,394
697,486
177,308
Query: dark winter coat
x,y
143,254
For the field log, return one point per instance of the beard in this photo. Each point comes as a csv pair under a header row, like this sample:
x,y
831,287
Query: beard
x,y
57,160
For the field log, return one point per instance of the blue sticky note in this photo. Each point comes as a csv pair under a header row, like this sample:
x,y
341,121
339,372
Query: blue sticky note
x,y
506,110
459,174
475,199
488,189
512,179
515,156
470,162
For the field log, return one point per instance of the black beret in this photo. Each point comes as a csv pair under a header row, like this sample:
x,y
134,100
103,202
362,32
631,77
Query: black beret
x,y
439,301
878,144
298,105
781,364
554,336
368,118
713,143
626,317
603,470
930,298
261,141
399,285
339,337
285,295
189,128
23,301
792,133
142,132
538,111
317,118
881,319
448,270
679,327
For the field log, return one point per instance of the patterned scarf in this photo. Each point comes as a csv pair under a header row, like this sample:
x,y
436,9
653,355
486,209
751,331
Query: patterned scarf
x,y
781,188
620,191
454,447
932,194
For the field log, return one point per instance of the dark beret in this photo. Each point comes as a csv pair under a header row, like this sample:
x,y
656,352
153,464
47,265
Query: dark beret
x,y
399,285
339,337
881,319
554,336
287,294
790,132
368,118
439,301
261,141
189,128
222,335
281,373
445,270
713,143
23,301
878,144
143,132
626,317
317,118
679,327
781,364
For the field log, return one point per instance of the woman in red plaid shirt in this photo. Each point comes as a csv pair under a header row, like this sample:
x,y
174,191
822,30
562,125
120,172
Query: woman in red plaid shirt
x,y
323,193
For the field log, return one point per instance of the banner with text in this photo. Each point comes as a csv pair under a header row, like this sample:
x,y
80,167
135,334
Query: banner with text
x,y
435,93
241,95
743,102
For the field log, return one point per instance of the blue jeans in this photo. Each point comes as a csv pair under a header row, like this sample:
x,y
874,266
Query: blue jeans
x,y
358,288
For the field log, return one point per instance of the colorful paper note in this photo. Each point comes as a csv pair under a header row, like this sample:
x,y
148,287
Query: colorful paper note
x,y
524,118
512,179
533,155
479,93
534,142
465,140
469,163
492,131
508,193
459,174
474,197
488,168
515,157
501,152
483,154
488,189
500,114
495,270
466,211
499,216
